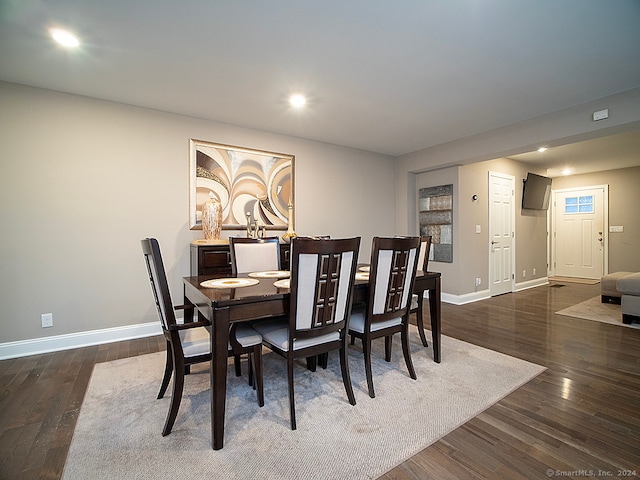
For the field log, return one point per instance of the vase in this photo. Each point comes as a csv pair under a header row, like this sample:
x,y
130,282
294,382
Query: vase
x,y
212,218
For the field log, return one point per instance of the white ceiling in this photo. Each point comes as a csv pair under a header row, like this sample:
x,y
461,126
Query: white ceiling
x,y
605,153
391,77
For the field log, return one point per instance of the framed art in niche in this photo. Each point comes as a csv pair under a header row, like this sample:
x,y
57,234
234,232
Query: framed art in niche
x,y
436,219
249,183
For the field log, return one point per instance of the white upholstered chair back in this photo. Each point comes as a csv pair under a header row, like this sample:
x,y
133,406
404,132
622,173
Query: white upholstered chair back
x,y
423,257
322,294
256,256
394,268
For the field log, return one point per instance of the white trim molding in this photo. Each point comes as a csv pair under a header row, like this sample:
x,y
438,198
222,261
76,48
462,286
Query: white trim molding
x,y
466,298
536,282
68,341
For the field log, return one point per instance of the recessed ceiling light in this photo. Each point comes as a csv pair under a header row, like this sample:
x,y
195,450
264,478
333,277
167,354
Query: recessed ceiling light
x,y
567,171
64,37
297,100
542,149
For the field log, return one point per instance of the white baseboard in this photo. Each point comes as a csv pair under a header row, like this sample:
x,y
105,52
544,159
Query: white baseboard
x,y
484,294
465,298
56,343
536,282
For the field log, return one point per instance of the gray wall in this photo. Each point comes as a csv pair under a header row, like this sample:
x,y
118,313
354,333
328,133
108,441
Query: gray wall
x,y
84,180
471,250
474,156
624,198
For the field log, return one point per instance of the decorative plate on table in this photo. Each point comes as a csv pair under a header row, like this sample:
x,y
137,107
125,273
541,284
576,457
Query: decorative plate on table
x,y
270,274
229,282
362,275
284,283
364,268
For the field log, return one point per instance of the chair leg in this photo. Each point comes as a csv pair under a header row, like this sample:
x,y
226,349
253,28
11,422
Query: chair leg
x,y
420,321
251,371
176,396
168,369
388,341
366,349
405,350
236,362
292,404
346,377
256,359
323,360
312,363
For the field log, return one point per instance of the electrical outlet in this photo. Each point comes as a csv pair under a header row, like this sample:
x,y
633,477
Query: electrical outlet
x,y
524,273
534,272
47,320
478,281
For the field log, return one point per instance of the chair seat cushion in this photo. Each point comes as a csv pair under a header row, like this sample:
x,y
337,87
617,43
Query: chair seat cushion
x,y
357,323
247,336
195,341
276,333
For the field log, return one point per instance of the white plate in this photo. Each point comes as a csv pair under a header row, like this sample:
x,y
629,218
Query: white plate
x,y
270,274
284,283
229,282
362,275
364,268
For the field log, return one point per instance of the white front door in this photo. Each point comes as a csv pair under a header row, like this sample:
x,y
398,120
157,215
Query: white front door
x,y
501,233
579,232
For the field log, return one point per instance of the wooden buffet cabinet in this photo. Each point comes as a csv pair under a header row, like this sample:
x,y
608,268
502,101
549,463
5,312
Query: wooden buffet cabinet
x,y
215,258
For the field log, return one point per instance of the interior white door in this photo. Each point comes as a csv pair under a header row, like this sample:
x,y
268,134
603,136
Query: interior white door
x,y
579,233
501,233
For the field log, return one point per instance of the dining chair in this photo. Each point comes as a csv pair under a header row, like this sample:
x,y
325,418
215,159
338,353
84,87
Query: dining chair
x,y
321,294
417,299
189,343
254,254
392,273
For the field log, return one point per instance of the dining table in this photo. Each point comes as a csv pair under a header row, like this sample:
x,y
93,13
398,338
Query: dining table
x,y
234,300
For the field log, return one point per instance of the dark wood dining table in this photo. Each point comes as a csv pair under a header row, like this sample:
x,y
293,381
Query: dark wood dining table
x,y
221,307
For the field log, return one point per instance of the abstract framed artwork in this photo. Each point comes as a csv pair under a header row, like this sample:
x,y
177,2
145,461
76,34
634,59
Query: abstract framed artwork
x,y
250,184
436,219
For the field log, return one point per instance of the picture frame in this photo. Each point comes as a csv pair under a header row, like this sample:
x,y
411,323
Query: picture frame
x,y
435,209
250,185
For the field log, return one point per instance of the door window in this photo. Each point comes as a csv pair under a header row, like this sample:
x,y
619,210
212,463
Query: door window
x,y
581,204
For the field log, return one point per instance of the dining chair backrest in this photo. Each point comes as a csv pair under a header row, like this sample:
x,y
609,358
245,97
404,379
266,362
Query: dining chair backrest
x,y
392,274
158,279
322,279
254,254
423,257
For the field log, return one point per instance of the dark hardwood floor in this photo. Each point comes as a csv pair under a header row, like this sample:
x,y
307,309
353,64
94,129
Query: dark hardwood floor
x,y
581,416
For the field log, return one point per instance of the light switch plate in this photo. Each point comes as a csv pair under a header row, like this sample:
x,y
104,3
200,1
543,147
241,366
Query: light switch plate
x,y
616,228
478,229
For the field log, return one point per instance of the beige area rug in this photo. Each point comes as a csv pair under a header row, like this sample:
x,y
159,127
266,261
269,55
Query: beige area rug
x,y
118,430
584,281
594,309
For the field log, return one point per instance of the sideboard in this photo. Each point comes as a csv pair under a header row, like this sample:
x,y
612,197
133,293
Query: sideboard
x,y
215,258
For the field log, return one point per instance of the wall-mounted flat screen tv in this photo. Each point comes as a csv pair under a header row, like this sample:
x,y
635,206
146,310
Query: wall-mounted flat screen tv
x,y
536,193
